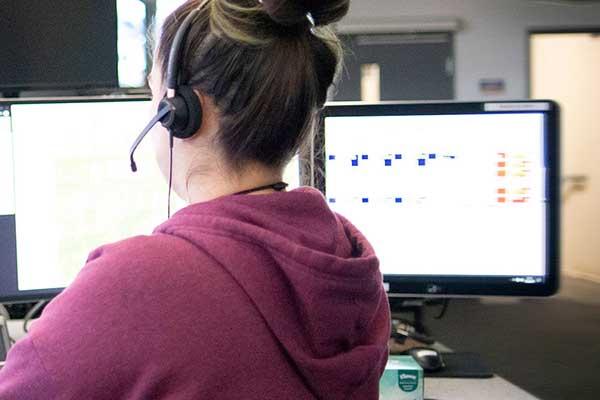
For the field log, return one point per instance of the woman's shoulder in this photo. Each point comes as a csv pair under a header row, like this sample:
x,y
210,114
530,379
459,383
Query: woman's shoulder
x,y
151,267
146,248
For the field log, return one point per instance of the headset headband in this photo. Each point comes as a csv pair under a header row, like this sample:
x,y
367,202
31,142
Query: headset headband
x,y
175,53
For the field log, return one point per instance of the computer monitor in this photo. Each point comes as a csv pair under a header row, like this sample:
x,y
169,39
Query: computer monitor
x,y
65,167
456,198
59,44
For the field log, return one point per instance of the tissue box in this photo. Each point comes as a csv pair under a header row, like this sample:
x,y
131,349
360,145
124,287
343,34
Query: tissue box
x,y
402,380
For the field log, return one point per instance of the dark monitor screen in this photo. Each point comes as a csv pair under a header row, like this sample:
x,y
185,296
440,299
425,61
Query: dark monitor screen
x,y
456,198
58,44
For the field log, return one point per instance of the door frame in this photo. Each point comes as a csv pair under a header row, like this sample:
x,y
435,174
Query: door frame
x,y
550,30
406,25
575,179
348,33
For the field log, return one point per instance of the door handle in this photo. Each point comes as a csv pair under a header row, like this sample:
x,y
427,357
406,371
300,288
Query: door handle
x,y
573,184
575,179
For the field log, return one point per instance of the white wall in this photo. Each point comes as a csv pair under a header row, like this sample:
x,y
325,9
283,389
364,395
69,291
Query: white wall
x,y
492,41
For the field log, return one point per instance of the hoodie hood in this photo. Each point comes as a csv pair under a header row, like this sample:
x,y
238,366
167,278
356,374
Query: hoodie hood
x,y
312,276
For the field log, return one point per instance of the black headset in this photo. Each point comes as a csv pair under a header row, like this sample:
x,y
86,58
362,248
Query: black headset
x,y
179,111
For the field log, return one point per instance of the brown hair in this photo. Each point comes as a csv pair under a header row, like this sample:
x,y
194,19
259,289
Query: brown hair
x,y
267,69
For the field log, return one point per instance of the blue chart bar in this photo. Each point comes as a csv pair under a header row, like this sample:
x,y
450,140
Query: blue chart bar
x,y
389,159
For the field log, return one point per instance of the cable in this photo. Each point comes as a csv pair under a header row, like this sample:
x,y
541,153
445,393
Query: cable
x,y
445,304
171,140
31,313
4,312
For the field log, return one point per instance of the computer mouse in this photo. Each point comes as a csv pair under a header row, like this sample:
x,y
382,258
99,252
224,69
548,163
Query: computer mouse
x,y
429,359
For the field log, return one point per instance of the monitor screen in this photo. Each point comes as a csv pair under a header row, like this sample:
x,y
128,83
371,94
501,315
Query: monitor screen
x,y
65,167
456,198
58,44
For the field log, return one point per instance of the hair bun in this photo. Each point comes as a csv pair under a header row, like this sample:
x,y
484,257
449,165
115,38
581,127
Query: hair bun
x,y
293,12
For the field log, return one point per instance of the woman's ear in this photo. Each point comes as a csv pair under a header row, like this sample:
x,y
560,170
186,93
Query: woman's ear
x,y
210,114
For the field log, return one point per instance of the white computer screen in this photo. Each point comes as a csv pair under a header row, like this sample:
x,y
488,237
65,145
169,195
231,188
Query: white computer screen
x,y
74,190
73,186
443,195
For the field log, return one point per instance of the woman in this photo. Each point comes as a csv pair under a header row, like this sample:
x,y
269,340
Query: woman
x,y
260,295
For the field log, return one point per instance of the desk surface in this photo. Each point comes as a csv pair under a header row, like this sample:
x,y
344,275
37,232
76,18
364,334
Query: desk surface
x,y
495,388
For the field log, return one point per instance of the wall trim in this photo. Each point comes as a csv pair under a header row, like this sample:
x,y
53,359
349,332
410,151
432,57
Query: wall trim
x,y
398,25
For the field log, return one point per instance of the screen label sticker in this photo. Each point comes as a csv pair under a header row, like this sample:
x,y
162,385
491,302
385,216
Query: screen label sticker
x,y
495,107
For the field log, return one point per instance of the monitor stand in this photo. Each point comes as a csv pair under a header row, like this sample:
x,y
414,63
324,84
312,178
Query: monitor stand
x,y
413,328
411,332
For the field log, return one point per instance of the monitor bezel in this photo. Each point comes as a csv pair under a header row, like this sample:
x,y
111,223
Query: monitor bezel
x,y
17,296
451,285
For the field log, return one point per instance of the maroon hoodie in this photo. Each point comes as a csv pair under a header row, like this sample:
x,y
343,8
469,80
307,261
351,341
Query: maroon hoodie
x,y
243,297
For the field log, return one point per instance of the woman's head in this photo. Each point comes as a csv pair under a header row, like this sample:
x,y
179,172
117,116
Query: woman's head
x,y
262,67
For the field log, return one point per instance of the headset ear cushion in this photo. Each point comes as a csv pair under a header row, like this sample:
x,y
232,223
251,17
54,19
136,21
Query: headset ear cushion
x,y
188,113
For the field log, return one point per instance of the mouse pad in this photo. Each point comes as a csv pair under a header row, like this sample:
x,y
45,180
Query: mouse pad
x,y
462,365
